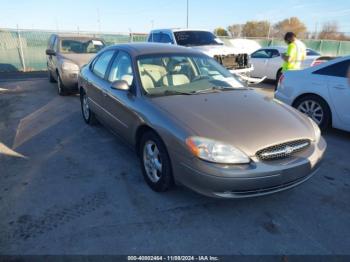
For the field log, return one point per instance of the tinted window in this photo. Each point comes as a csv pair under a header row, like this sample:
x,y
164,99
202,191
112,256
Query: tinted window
x,y
102,62
121,69
338,70
196,38
155,37
165,38
275,53
264,53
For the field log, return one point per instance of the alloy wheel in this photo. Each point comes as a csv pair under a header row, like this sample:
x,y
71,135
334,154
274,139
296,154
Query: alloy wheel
x,y
86,109
59,85
152,161
312,109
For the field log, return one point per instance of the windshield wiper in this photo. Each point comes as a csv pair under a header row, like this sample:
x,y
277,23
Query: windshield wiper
x,y
175,92
216,89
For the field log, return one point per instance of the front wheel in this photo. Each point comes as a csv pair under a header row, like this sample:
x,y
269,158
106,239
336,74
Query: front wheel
x,y
61,89
51,78
316,108
155,163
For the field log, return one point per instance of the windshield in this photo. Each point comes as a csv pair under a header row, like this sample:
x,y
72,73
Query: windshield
x,y
196,38
184,75
80,46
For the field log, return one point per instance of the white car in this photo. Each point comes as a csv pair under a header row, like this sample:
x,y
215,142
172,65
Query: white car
x,y
322,92
232,58
268,61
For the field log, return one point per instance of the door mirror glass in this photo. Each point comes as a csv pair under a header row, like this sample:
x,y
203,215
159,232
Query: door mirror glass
x,y
120,85
50,52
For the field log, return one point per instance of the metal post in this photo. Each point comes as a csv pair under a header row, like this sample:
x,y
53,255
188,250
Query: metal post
x,y
187,17
21,50
339,46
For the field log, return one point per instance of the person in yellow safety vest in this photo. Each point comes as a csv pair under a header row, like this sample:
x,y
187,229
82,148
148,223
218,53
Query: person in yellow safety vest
x,y
296,53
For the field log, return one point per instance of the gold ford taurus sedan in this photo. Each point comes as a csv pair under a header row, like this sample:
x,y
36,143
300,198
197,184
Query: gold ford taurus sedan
x,y
193,123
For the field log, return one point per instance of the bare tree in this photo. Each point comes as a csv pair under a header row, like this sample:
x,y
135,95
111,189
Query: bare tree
x,y
292,24
235,30
330,30
256,29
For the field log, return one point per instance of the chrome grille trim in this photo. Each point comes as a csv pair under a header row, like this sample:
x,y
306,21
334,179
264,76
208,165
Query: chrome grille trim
x,y
284,150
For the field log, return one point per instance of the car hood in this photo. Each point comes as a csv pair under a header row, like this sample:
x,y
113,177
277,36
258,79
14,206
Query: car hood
x,y
242,118
78,59
212,50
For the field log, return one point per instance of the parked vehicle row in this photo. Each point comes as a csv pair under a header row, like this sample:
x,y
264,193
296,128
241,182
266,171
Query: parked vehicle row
x,y
190,118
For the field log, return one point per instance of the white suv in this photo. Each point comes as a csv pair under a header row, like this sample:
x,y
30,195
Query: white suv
x,y
205,41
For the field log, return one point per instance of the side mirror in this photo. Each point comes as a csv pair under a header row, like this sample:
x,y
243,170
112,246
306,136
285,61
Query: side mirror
x,y
120,85
50,52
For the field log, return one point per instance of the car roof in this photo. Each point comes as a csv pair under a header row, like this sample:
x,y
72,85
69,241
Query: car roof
x,y
137,49
76,36
180,29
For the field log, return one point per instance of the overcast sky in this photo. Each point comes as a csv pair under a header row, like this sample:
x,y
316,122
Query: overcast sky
x,y
139,16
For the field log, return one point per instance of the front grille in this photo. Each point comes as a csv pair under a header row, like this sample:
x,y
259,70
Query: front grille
x,y
282,151
233,62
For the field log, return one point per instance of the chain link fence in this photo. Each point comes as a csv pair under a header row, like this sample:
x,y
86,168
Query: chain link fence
x,y
24,50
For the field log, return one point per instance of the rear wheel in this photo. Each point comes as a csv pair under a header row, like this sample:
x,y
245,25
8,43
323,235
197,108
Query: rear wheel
x,y
155,163
278,77
316,108
88,115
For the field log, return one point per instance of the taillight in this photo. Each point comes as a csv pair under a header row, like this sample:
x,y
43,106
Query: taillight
x,y
317,62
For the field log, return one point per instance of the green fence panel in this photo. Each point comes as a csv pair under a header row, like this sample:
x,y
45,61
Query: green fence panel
x,y
9,52
25,49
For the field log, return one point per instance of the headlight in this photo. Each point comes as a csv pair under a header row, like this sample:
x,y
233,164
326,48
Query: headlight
x,y
216,152
316,129
66,66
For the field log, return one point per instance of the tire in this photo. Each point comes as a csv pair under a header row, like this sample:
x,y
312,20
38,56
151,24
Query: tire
x,y
156,169
51,78
278,76
88,116
61,89
316,108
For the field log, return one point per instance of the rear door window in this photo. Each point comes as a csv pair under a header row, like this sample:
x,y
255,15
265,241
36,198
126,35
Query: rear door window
x,y
338,70
100,66
264,53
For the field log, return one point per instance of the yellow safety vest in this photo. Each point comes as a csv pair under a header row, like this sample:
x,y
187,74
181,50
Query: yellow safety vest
x,y
297,53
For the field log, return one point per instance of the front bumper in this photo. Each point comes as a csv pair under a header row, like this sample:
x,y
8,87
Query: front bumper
x,y
70,79
256,179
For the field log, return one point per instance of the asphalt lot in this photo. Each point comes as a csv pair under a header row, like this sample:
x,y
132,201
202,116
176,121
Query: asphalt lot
x,y
68,188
